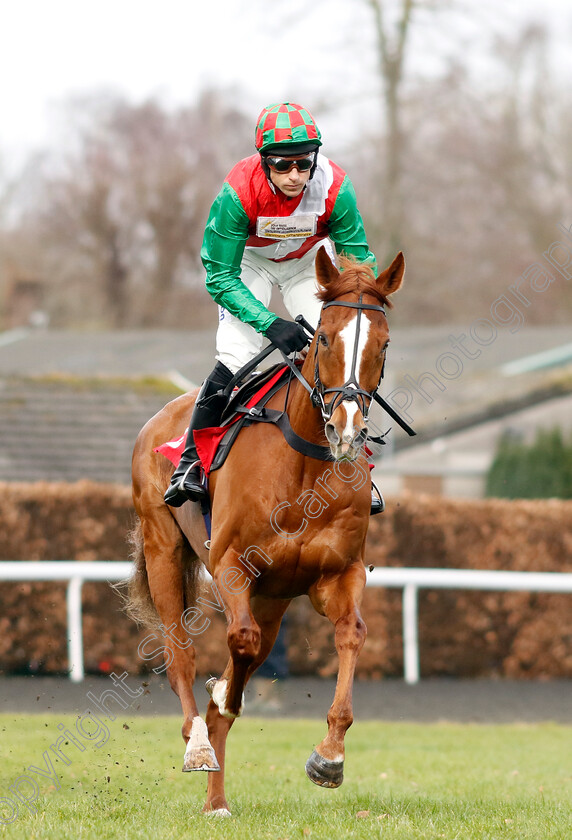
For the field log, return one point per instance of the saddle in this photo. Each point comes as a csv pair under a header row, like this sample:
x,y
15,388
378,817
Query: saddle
x,y
251,388
245,406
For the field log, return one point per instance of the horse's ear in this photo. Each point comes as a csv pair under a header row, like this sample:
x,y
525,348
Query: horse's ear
x,y
390,280
326,271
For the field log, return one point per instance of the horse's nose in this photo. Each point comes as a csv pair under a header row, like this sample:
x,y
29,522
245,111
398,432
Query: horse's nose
x,y
346,438
332,433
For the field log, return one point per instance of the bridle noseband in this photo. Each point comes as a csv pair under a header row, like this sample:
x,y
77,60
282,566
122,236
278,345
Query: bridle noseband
x,y
350,390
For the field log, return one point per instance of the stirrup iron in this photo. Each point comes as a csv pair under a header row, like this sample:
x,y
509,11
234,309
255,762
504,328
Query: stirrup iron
x,y
376,495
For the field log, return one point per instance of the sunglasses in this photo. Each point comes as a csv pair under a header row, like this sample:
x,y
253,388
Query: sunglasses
x,y
282,165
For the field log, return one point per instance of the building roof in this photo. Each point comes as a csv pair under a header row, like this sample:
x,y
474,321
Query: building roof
x,y
71,404
68,430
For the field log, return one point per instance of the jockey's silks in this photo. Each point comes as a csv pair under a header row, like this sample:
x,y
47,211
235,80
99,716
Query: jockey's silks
x,y
250,212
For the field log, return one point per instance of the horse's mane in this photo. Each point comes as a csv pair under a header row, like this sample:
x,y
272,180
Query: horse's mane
x,y
354,277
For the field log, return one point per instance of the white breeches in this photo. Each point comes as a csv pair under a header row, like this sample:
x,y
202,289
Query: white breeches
x,y
237,343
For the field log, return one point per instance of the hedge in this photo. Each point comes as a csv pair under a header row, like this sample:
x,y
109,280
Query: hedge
x,y
468,634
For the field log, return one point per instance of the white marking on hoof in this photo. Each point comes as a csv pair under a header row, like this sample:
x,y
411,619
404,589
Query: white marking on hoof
x,y
217,690
199,754
219,812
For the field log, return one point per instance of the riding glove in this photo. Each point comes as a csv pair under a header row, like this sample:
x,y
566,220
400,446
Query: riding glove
x,y
286,335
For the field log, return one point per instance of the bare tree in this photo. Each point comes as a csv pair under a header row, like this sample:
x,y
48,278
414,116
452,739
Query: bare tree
x,y
529,155
391,53
120,217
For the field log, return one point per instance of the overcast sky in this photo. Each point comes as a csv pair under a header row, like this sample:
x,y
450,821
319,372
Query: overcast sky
x,y
170,49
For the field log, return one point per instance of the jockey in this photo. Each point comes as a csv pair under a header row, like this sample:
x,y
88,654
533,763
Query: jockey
x,y
274,211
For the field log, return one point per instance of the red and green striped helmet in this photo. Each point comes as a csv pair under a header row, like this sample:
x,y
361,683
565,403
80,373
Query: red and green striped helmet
x,y
286,128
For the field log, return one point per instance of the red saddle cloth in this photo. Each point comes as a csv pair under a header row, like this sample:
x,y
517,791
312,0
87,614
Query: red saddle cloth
x,y
207,440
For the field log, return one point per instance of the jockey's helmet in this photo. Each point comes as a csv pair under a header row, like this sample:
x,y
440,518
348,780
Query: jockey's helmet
x,y
285,128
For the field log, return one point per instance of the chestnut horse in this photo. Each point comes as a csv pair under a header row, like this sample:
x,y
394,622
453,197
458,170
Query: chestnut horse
x,y
283,524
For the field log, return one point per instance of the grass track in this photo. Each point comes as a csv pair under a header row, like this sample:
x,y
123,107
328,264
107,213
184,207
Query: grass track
x,y
450,781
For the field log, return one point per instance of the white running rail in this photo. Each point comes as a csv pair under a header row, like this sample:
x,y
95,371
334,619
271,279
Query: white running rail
x,y
411,580
75,574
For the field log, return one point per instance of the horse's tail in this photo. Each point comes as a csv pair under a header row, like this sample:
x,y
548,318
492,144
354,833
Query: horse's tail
x,y
138,601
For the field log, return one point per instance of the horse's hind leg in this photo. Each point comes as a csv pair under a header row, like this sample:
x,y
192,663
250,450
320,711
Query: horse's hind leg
x,y
166,552
339,599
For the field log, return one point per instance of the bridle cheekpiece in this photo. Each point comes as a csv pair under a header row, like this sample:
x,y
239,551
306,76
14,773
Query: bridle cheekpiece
x,y
350,390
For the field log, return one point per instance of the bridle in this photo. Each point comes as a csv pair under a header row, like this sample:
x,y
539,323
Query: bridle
x,y
350,390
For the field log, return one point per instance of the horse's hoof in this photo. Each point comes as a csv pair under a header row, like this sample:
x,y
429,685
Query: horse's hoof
x,y
217,690
199,754
210,684
329,774
200,758
218,812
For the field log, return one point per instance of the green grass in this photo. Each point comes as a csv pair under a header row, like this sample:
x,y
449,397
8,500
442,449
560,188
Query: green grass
x,y
412,781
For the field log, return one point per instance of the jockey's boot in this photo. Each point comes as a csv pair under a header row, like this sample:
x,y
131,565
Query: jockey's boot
x,y
186,480
377,500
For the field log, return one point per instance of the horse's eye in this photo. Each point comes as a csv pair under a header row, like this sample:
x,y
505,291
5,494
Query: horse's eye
x,y
322,340
384,348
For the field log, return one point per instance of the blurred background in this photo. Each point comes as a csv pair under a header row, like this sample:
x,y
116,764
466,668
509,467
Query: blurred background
x,y
452,117
119,122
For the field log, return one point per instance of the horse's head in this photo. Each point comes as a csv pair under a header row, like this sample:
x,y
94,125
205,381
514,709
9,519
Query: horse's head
x,y
349,347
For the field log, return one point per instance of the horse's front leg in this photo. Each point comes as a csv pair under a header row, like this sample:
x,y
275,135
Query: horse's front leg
x,y
268,615
218,729
243,637
339,599
249,643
